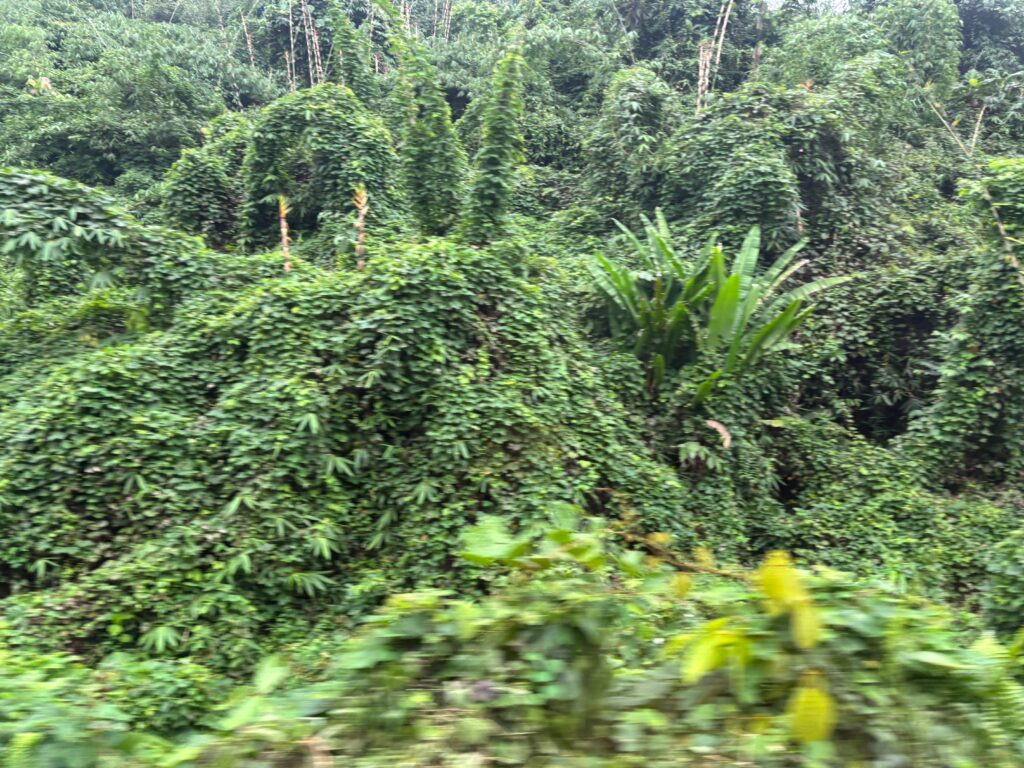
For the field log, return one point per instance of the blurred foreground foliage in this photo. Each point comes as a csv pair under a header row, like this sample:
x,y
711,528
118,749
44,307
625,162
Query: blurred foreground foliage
x,y
585,652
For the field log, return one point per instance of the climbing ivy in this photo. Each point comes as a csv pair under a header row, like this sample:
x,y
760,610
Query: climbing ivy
x,y
499,154
61,238
202,191
314,148
314,430
243,405
967,431
927,36
638,114
432,157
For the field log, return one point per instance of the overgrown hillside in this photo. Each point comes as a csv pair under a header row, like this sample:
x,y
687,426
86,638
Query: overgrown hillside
x,y
465,370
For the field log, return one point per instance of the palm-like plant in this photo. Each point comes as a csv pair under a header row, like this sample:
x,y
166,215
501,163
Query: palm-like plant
x,y
673,313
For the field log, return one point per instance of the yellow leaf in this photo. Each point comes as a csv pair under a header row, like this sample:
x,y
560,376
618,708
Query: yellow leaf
x,y
780,581
676,644
805,624
710,649
812,711
704,656
759,724
703,557
660,539
680,585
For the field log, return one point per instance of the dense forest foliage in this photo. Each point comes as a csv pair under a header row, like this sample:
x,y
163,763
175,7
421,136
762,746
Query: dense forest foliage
x,y
595,383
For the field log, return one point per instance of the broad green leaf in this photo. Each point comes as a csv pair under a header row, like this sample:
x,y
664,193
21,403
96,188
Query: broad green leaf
x,y
706,386
270,673
723,312
746,259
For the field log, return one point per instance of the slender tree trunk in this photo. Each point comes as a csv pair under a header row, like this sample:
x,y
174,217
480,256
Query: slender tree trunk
x,y
721,42
291,45
248,41
759,47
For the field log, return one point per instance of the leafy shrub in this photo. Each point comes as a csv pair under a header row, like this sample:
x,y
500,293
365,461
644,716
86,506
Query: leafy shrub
x,y
862,507
572,670
1004,604
720,166
274,444
927,36
158,695
966,431
1004,184
126,93
64,238
639,112
673,314
314,147
814,50
202,191
796,161
870,353
499,154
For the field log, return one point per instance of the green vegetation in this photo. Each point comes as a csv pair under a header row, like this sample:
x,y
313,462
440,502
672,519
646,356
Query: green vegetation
x,y
495,383
673,315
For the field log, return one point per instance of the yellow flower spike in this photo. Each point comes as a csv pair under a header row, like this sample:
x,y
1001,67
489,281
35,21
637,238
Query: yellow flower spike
x,y
805,624
710,649
660,539
780,581
702,556
680,585
811,710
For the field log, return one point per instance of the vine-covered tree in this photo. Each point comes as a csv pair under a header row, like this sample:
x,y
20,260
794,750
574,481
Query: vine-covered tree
x,y
432,157
501,151
638,114
351,54
314,148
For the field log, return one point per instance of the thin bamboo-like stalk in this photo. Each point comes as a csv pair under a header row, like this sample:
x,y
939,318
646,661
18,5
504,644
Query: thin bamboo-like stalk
x,y
310,71
977,128
759,30
316,60
291,45
361,202
1011,257
718,20
703,72
248,40
282,217
289,71
721,41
